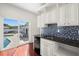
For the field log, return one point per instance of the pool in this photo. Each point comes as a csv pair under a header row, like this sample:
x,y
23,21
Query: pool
x,y
6,42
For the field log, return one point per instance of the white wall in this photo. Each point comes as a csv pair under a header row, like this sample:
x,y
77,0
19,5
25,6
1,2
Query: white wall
x,y
10,11
1,32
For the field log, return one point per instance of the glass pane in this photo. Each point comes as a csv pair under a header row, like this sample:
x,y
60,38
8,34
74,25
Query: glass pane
x,y
10,33
15,32
23,28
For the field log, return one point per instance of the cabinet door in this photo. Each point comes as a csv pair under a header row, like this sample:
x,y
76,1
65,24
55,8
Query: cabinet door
x,y
46,18
44,47
49,47
67,14
41,47
53,48
74,14
40,20
50,50
53,16
62,20
71,14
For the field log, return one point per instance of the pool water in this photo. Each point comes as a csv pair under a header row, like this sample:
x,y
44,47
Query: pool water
x,y
6,42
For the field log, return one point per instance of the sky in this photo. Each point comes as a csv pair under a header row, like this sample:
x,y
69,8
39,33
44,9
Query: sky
x,y
14,22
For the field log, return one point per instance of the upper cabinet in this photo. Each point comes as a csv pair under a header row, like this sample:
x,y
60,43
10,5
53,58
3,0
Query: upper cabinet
x,y
63,14
52,16
47,17
61,19
68,15
40,20
74,14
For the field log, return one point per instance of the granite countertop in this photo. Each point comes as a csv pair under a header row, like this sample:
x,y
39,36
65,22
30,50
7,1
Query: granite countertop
x,y
71,42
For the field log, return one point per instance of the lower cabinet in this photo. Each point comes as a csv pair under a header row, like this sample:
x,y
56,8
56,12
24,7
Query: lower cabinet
x,y
52,48
46,47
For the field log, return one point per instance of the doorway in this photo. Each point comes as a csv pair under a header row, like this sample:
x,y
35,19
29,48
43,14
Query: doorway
x,y
15,32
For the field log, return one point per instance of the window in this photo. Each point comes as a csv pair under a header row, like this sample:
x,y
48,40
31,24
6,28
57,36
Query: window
x,y
15,31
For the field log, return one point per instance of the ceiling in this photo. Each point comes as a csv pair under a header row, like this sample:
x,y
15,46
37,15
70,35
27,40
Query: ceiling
x,y
32,7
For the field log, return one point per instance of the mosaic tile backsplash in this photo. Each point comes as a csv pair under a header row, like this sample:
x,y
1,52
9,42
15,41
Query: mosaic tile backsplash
x,y
70,32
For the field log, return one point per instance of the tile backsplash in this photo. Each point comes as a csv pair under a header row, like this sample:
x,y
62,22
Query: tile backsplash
x,y
71,32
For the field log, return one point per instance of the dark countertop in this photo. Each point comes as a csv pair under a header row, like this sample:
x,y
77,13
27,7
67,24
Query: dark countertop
x,y
63,40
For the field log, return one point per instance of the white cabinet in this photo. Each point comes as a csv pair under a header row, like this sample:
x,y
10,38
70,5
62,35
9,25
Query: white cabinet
x,y
47,47
40,20
52,48
44,47
71,14
47,17
74,14
68,15
65,15
53,15
61,19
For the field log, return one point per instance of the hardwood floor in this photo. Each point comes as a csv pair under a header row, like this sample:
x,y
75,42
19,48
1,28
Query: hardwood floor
x,y
23,50
31,51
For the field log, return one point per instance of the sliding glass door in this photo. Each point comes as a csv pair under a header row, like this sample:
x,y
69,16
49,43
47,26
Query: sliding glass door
x,y
23,30
15,32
